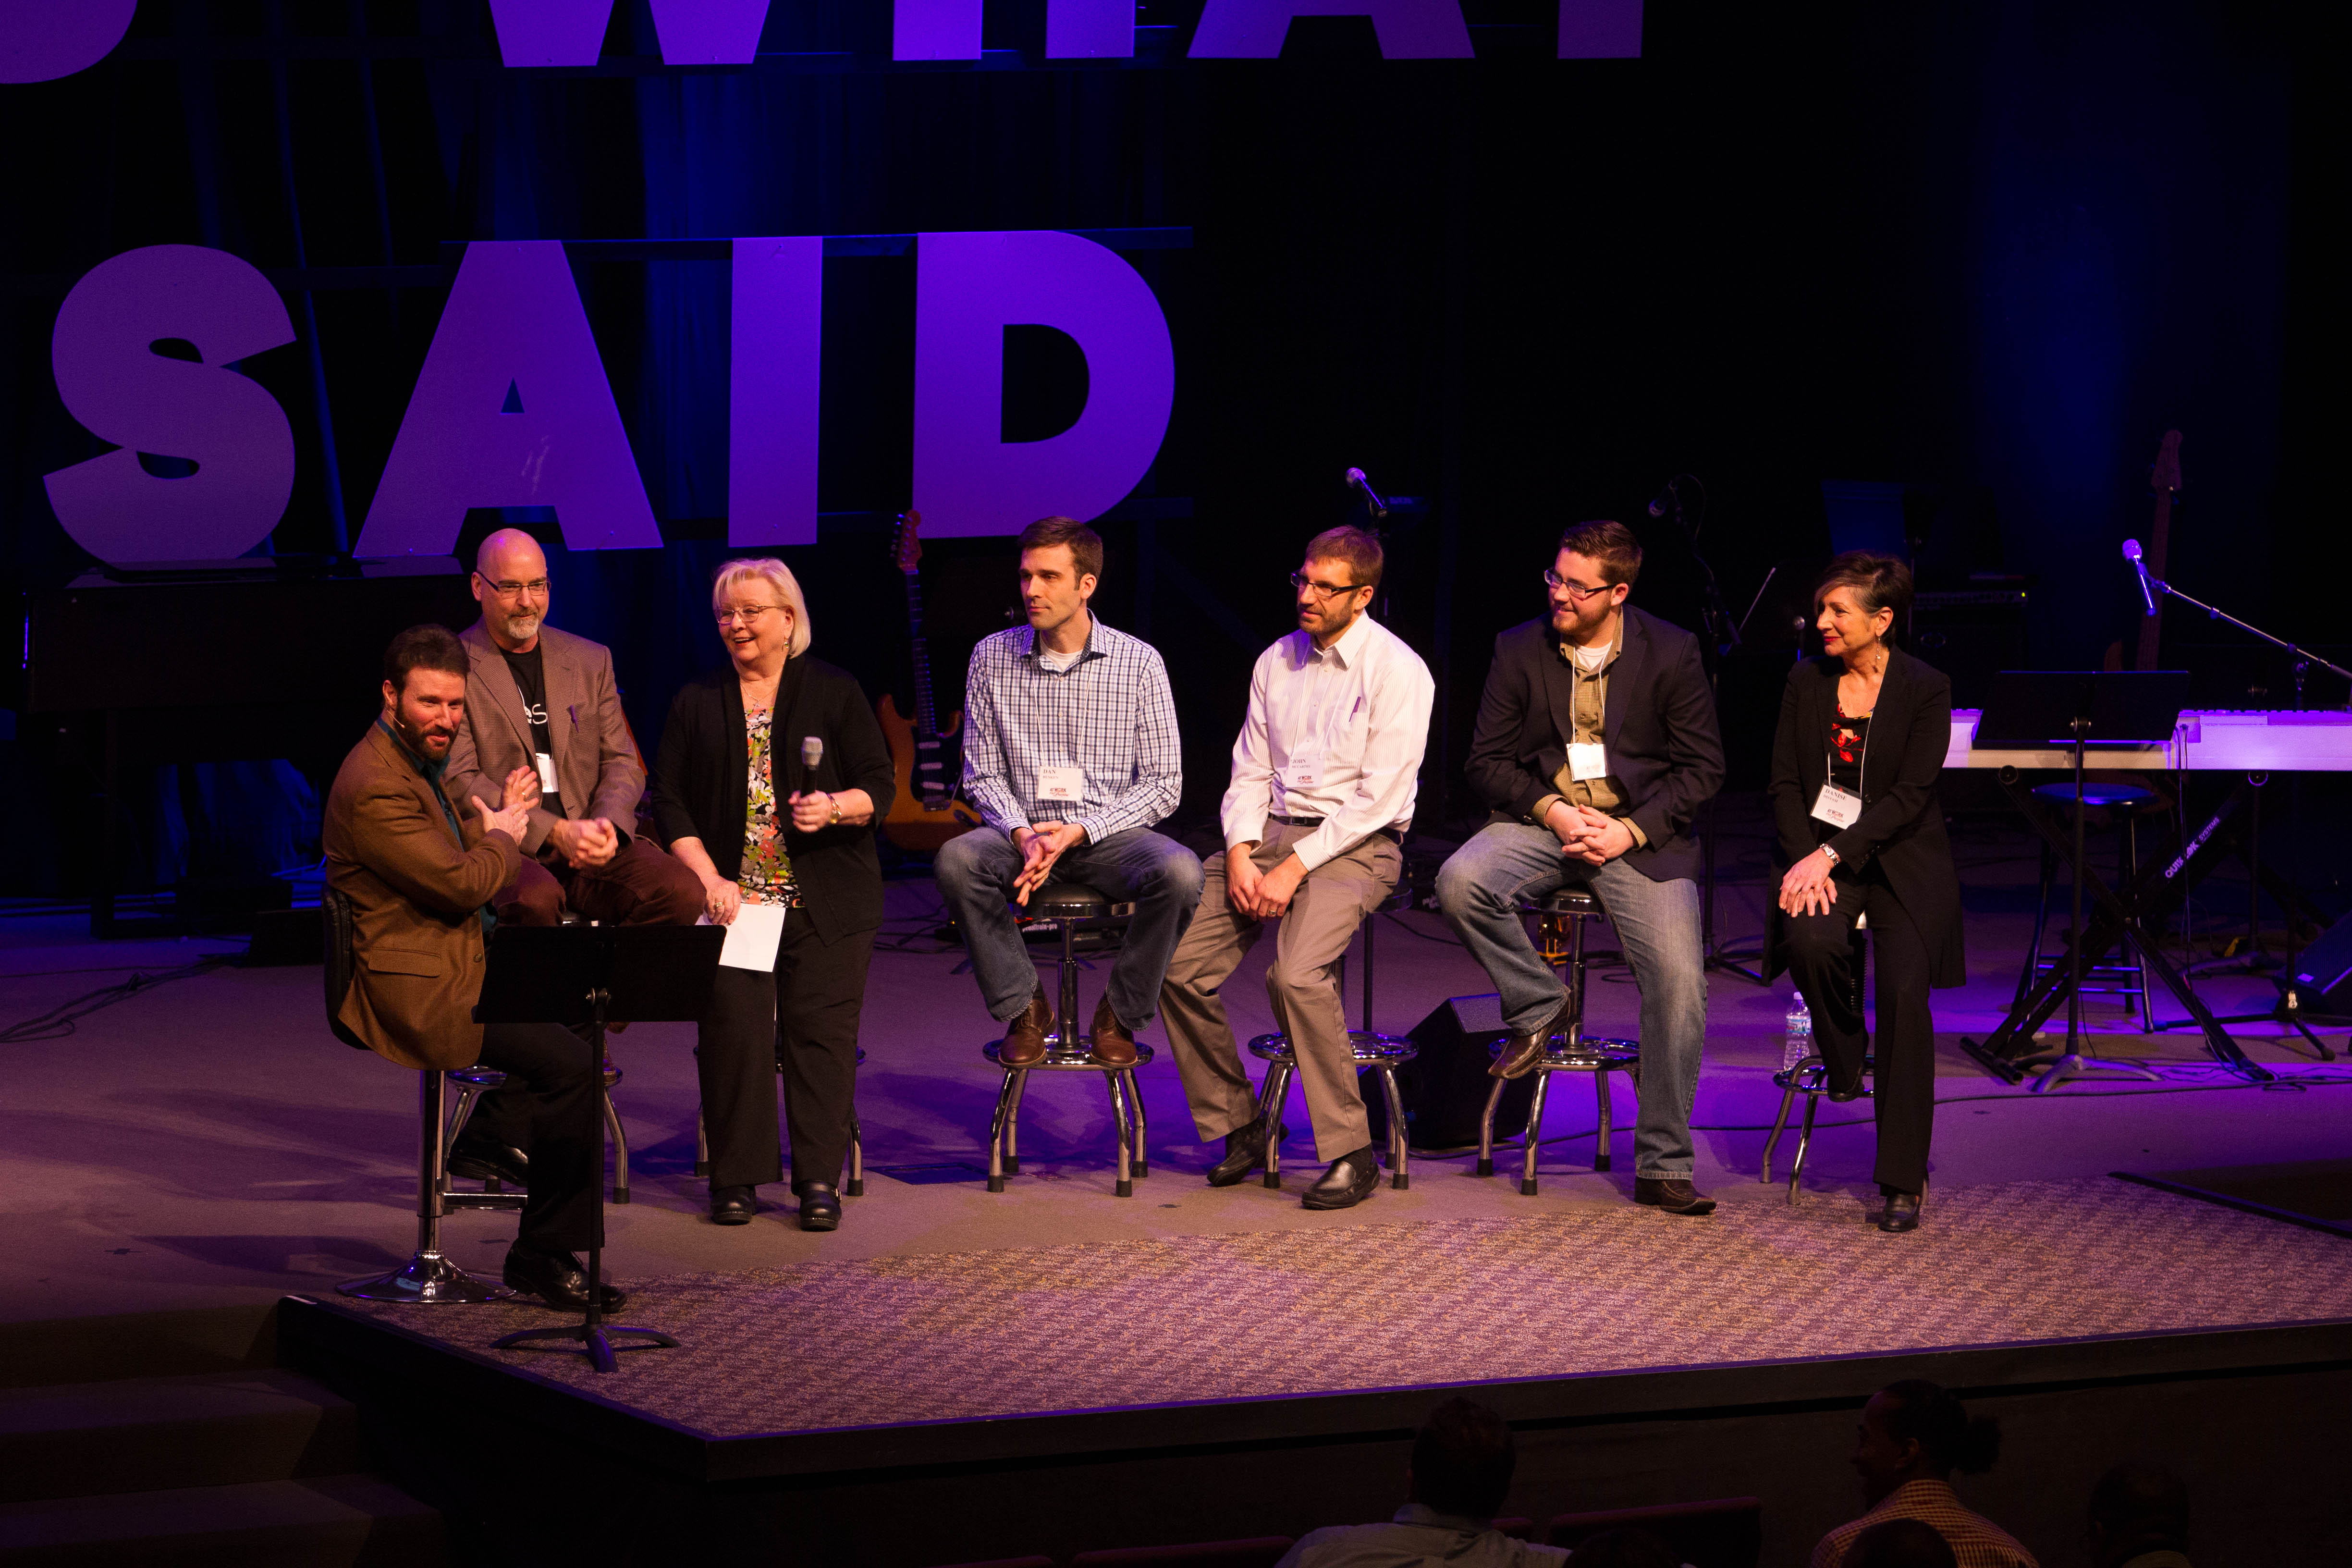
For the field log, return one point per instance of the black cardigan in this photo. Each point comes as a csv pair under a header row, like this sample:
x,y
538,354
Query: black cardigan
x,y
1660,728
701,783
1902,822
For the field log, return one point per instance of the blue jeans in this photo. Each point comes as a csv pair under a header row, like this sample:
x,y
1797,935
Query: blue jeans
x,y
1656,922
975,872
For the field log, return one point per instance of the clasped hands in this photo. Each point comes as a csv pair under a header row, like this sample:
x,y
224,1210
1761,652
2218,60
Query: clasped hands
x,y
590,841
1261,895
1592,837
1041,844
1807,889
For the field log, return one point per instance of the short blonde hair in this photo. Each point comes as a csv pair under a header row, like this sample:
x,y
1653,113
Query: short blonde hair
x,y
779,576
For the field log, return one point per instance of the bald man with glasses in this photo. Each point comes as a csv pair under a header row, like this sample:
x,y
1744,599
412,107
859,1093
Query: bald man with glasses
x,y
541,699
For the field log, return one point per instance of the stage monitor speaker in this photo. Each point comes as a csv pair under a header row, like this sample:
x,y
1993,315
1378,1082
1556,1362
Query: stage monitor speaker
x,y
2321,976
1444,1087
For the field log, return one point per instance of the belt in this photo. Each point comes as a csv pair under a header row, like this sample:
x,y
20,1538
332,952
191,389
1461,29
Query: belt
x,y
1391,834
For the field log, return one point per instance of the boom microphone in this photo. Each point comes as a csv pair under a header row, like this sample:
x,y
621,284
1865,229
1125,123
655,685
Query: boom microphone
x,y
2131,554
1666,499
1356,482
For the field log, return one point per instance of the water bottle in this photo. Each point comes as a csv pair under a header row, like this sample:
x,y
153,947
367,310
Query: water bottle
x,y
1798,1042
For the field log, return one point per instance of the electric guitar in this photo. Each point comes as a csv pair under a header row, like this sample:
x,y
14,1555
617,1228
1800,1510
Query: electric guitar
x,y
924,812
2163,479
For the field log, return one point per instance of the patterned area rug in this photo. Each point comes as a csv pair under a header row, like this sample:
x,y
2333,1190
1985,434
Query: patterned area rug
x,y
953,1335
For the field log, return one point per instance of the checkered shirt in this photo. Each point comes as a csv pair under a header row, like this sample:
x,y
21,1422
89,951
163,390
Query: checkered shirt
x,y
1110,714
1976,1541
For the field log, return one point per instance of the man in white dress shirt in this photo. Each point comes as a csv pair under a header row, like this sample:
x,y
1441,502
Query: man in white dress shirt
x,y
1325,772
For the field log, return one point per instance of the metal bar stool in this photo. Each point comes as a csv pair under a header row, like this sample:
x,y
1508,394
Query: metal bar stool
x,y
1810,1077
475,1081
1561,945
429,1278
1074,909
853,1188
1372,1051
2124,974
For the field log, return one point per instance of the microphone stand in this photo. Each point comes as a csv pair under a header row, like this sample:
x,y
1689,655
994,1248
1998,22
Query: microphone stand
x,y
2256,960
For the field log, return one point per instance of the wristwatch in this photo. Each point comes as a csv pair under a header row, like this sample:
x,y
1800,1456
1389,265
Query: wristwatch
x,y
1825,849
834,820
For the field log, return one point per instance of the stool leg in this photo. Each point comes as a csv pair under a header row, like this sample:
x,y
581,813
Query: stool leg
x,y
1534,1134
1277,1094
2041,922
1400,1152
1126,1186
1575,980
855,1188
1601,1137
1066,1028
2139,959
1804,1141
620,1151
1012,1125
997,1126
1135,1100
1780,1121
701,1144
1487,1129
466,1095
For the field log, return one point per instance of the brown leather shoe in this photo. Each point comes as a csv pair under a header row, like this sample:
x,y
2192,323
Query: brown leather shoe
x,y
1113,1042
1024,1038
1671,1195
1521,1052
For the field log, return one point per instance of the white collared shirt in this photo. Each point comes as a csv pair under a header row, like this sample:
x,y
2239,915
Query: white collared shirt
x,y
1354,716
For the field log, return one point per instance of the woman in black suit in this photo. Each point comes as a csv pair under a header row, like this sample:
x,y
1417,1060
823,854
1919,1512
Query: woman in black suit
x,y
1862,735
736,799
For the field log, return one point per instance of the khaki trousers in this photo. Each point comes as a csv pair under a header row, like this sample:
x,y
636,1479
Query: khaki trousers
x,y
1302,983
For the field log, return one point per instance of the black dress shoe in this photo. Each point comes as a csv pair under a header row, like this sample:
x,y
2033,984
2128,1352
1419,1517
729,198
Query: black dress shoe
x,y
1244,1152
1348,1182
557,1279
485,1158
1521,1052
733,1205
819,1205
1671,1194
1901,1213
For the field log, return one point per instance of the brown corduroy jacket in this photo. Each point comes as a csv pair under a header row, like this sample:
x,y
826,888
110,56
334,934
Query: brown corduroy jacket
x,y
416,891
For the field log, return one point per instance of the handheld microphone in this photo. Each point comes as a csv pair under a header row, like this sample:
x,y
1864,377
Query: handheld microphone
x,y
812,752
2131,554
1666,499
1356,482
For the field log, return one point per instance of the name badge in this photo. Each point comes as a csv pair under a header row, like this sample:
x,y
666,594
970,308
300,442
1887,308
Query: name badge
x,y
1838,807
547,774
1303,771
1587,761
1066,784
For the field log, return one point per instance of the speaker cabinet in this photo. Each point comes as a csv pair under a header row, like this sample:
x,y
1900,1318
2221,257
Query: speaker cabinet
x,y
1445,1088
2321,982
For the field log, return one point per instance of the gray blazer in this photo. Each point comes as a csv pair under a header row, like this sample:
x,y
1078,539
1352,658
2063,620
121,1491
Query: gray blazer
x,y
596,761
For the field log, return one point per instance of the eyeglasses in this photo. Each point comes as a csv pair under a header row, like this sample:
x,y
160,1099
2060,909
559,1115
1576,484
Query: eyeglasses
x,y
508,590
1322,590
749,614
1576,591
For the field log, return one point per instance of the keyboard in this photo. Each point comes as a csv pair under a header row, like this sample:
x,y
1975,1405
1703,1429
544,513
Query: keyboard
x,y
2207,740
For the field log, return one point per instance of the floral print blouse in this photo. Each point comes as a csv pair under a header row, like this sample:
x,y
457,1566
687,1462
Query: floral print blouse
x,y
766,877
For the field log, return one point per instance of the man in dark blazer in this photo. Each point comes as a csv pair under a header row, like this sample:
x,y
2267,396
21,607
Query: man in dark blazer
x,y
1596,745
419,876
542,698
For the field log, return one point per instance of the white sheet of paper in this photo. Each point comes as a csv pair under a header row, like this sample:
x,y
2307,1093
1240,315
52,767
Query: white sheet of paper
x,y
1587,761
1838,807
752,936
547,773
1064,785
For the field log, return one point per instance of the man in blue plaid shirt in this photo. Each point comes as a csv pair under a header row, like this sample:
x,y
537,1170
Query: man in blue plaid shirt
x,y
1070,753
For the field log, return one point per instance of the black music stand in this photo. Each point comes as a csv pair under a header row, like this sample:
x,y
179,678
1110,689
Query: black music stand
x,y
627,975
2078,710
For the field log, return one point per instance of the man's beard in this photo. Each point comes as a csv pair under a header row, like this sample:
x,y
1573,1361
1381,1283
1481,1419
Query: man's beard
x,y
415,739
522,628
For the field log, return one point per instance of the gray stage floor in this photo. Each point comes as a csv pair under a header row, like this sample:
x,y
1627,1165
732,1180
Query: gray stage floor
x,y
208,1143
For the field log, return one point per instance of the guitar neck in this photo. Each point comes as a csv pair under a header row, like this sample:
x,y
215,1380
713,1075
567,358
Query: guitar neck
x,y
927,721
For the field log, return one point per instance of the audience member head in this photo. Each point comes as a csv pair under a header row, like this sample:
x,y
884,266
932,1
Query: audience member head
x,y
424,689
1917,1431
1463,1458
510,583
1900,1543
1336,580
2138,1507
1061,562
1627,1546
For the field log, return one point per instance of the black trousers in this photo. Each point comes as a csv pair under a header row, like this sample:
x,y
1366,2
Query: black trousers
x,y
1904,1095
551,1099
817,992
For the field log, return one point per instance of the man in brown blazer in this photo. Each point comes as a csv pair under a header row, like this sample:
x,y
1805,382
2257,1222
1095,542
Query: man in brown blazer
x,y
420,878
545,701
